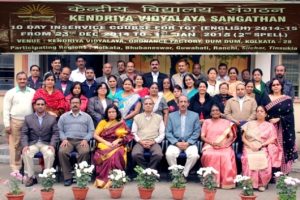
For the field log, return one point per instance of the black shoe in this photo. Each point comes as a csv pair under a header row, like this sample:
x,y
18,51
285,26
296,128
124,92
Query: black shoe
x,y
30,182
68,182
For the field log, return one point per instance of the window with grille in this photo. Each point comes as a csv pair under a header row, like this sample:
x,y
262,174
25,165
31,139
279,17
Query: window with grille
x,y
6,72
292,63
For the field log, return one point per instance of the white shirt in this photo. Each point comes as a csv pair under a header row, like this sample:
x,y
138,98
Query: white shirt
x,y
212,90
104,104
76,75
155,76
161,130
224,79
241,101
17,104
182,124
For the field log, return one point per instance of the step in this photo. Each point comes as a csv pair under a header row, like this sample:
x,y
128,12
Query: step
x,y
4,149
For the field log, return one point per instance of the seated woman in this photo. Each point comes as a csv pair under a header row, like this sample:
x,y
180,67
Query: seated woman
x,y
55,100
218,135
112,82
112,135
261,150
128,102
77,92
189,88
139,86
160,104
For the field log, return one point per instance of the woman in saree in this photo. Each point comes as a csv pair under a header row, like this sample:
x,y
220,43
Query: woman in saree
x,y
139,86
168,90
111,135
189,88
281,114
56,104
128,102
261,150
218,134
112,82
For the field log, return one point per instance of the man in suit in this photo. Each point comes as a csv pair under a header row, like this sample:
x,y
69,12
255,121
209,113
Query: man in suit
x,y
39,134
154,75
148,129
75,131
89,86
106,71
183,130
64,84
183,67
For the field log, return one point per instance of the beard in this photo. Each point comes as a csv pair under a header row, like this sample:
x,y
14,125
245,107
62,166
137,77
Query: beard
x,y
279,76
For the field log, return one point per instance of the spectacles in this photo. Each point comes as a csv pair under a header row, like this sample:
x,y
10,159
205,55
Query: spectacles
x,y
276,84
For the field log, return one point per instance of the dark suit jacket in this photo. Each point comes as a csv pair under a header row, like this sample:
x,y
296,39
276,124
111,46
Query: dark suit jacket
x,y
32,131
149,80
68,88
95,109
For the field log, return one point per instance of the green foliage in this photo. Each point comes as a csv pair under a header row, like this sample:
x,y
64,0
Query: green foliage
x,y
245,183
286,186
118,178
83,173
207,177
146,178
14,183
48,179
178,180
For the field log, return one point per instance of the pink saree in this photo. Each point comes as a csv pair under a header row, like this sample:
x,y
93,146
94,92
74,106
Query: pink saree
x,y
261,162
221,158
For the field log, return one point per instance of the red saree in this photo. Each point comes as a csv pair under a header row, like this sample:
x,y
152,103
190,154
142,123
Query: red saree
x,y
107,158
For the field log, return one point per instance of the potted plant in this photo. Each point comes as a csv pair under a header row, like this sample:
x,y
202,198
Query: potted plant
x,y
208,179
286,186
178,181
15,192
47,181
146,179
83,173
245,183
118,179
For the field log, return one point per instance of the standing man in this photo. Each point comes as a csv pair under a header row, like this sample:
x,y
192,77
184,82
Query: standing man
x,y
246,75
182,71
64,84
106,71
55,67
17,104
149,130
222,71
35,81
79,73
183,132
121,67
196,71
89,86
39,134
75,131
130,73
154,75
288,88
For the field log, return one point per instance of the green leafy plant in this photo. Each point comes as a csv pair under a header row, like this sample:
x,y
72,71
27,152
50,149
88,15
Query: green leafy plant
x,y
178,180
14,183
118,178
146,178
207,177
286,186
83,173
48,179
245,183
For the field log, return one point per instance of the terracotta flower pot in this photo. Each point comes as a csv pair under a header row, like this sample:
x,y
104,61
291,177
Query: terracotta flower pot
x,y
209,194
247,197
80,193
115,193
177,193
10,196
47,195
145,193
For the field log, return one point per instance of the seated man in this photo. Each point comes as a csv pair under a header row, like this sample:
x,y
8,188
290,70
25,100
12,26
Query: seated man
x,y
182,132
39,134
148,129
75,130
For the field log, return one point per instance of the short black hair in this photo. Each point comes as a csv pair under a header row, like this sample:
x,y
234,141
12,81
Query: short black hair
x,y
188,75
178,87
121,61
119,115
74,97
183,60
100,85
20,73
78,57
222,64
154,60
55,58
73,86
89,68
40,99
32,66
